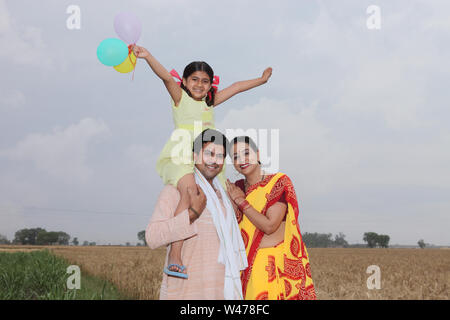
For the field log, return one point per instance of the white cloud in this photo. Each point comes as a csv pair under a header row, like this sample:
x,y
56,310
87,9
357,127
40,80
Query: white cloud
x,y
21,45
61,154
327,169
313,150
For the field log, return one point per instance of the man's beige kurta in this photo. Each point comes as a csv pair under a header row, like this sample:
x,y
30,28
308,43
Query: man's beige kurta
x,y
199,254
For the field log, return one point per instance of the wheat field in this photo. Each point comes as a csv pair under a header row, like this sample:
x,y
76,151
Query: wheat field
x,y
338,273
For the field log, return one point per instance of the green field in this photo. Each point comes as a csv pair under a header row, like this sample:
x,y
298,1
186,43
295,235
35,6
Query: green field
x,y
40,275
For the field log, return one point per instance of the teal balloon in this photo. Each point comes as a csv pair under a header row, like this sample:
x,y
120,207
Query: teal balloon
x,y
112,52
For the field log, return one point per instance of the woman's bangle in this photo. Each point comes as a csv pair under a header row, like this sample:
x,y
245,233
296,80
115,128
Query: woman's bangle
x,y
244,205
195,212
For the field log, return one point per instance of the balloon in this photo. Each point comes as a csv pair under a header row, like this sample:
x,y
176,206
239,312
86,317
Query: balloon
x,y
128,65
128,27
112,52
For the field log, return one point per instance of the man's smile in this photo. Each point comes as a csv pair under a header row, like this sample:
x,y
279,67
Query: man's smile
x,y
212,166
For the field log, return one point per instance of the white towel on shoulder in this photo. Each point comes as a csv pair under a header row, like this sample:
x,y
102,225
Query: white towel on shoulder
x,y
232,251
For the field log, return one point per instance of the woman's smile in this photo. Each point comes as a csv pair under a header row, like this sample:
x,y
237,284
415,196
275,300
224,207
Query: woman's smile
x,y
244,166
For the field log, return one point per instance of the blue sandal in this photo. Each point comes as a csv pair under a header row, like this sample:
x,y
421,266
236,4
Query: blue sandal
x,y
175,273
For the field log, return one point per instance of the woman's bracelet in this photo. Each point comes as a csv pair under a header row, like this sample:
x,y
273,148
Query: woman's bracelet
x,y
195,212
244,205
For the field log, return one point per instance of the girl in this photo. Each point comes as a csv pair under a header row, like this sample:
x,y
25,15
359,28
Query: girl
x,y
193,100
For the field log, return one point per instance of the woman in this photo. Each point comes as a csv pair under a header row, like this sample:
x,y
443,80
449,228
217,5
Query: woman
x,y
278,264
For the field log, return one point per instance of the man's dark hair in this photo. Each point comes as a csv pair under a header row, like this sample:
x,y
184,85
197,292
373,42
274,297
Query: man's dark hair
x,y
207,136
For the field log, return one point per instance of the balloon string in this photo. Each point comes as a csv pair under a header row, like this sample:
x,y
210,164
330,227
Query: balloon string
x,y
129,57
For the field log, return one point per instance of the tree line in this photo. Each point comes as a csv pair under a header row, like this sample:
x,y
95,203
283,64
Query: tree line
x,y
326,240
39,236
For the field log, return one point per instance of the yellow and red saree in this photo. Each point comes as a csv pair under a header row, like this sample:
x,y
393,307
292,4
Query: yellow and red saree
x,y
281,272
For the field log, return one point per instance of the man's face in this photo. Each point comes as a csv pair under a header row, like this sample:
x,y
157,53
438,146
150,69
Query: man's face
x,y
212,158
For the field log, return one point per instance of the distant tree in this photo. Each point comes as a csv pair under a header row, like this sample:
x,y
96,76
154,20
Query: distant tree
x,y
141,236
27,236
85,243
127,244
63,238
374,239
3,239
371,238
92,243
138,244
75,241
317,240
421,244
339,240
47,238
383,240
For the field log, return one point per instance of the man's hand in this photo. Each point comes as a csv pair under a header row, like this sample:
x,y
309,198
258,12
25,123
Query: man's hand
x,y
197,201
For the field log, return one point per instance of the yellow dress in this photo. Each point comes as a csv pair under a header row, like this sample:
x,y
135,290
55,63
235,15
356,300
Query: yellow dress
x,y
190,117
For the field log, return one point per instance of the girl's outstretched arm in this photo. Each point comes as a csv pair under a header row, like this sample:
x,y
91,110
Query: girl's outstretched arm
x,y
241,86
171,85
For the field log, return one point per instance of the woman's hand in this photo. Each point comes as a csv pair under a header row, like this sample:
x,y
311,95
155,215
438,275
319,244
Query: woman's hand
x,y
140,52
235,193
237,212
266,74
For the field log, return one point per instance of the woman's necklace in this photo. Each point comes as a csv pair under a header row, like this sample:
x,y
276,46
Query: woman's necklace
x,y
246,182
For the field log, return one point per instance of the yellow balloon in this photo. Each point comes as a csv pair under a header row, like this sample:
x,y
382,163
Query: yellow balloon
x,y
127,65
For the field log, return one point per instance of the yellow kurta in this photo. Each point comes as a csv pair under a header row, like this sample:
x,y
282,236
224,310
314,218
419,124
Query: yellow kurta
x,y
280,272
190,117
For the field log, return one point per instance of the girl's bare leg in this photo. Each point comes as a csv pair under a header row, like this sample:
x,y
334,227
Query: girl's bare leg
x,y
186,181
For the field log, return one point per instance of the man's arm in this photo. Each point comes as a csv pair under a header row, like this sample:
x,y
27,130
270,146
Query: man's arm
x,y
163,227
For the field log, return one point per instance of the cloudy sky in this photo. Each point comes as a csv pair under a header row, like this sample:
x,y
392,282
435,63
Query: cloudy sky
x,y
360,116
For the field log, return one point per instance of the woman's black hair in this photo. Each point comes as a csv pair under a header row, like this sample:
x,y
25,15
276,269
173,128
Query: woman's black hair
x,y
245,139
200,66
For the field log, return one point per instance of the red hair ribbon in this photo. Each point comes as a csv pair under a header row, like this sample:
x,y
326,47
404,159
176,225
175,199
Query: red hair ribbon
x,y
175,74
215,81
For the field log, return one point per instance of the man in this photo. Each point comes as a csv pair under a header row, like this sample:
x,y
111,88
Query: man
x,y
213,251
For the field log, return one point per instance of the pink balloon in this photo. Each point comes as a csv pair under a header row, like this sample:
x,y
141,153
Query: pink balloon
x,y
128,27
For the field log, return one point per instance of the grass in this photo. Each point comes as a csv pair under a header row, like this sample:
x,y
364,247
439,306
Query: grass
x,y
338,273
40,275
